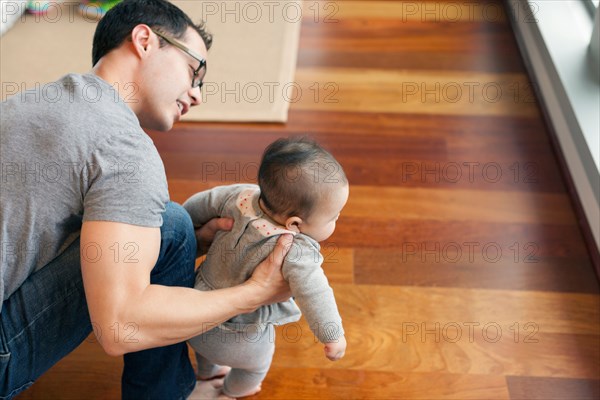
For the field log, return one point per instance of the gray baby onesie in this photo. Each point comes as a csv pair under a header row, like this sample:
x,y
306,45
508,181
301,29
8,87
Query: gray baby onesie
x,y
234,255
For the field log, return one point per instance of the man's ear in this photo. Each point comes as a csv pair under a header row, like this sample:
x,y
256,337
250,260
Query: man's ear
x,y
293,224
143,39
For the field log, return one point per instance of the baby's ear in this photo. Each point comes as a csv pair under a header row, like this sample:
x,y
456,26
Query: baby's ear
x,y
293,224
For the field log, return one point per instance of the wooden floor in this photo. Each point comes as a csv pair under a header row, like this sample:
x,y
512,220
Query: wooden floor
x,y
458,265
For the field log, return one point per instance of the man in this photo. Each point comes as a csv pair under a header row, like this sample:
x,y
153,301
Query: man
x,y
89,238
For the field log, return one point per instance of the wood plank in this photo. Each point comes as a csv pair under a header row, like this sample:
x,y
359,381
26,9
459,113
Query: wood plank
x,y
318,383
536,388
457,205
423,11
427,92
488,129
483,171
401,138
418,60
552,240
395,35
518,266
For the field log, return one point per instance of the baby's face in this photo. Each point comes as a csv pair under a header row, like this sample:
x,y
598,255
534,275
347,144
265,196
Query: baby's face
x,y
321,223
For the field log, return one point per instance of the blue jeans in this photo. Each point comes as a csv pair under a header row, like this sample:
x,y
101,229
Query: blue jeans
x,y
47,318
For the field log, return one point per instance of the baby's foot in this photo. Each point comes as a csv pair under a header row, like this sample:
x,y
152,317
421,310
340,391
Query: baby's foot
x,y
209,390
249,393
222,371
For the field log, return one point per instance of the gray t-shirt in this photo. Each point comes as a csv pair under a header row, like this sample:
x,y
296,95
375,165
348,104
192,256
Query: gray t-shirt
x,y
71,151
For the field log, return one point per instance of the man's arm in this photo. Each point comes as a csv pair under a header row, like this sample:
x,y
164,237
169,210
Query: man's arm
x,y
116,261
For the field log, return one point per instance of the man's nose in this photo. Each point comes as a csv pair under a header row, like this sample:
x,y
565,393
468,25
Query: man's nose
x,y
195,96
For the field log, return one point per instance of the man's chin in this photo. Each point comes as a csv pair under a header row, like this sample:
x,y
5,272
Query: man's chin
x,y
165,128
160,126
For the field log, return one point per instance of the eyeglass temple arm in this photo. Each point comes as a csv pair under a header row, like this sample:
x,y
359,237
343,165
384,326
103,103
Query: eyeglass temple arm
x,y
179,45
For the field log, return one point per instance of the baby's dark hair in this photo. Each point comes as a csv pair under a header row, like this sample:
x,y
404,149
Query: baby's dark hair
x,y
295,174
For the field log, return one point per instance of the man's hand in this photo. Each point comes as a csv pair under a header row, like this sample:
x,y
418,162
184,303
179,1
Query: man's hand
x,y
267,277
206,233
335,350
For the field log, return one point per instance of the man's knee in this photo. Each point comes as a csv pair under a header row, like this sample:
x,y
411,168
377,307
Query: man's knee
x,y
175,264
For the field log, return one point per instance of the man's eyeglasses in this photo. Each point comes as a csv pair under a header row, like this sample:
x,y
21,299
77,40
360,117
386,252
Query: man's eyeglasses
x,y
200,72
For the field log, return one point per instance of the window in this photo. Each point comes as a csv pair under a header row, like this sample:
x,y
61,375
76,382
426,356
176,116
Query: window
x,y
568,85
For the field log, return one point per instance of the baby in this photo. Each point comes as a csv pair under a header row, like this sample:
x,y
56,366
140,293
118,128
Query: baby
x,y
301,191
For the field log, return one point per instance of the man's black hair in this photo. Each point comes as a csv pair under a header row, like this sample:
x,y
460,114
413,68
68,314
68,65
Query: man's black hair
x,y
116,26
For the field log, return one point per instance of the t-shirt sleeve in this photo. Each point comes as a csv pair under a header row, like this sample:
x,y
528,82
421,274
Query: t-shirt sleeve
x,y
125,182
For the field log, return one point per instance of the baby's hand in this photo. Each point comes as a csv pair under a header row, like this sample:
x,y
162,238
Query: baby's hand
x,y
336,350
